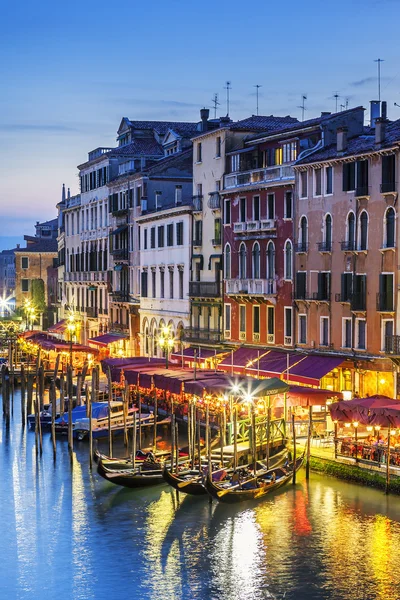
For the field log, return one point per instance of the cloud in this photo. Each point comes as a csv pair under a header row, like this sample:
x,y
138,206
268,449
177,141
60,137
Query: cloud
x,y
366,81
30,127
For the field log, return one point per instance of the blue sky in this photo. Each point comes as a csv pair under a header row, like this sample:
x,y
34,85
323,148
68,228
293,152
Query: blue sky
x,y
70,71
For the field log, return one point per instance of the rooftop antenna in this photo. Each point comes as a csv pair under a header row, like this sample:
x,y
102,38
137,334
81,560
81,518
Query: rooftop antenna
x,y
347,103
398,105
257,88
216,103
336,96
379,61
342,107
228,88
302,106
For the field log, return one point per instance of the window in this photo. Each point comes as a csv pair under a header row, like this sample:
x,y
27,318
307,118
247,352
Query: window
x,y
242,318
256,319
235,163
179,233
24,262
349,177
227,255
303,184
346,287
162,283
270,206
288,211
270,321
227,213
178,194
359,296
387,335
24,285
288,325
171,283
351,231
218,147
362,178
361,334
170,234
153,237
153,283
302,329
161,236
363,235
386,292
242,209
303,233
256,261
198,233
289,152
324,331
389,228
144,290
388,173
199,153
242,261
288,260
324,286
328,181
328,233
217,232
270,261
180,283
227,315
301,285
317,182
346,332
256,208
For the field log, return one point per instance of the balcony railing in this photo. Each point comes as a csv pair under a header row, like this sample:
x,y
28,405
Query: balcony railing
x,y
202,335
362,191
301,247
197,242
388,186
250,226
197,203
92,312
214,201
348,246
392,344
324,246
216,241
254,177
119,327
205,289
343,297
358,302
320,296
252,287
85,276
384,302
119,296
120,253
119,212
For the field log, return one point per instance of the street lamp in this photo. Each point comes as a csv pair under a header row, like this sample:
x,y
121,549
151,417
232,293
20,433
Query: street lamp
x,y
71,326
30,313
166,342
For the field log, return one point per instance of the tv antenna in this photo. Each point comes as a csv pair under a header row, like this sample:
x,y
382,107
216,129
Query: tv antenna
x,y
379,61
398,105
257,88
228,87
303,106
336,96
216,103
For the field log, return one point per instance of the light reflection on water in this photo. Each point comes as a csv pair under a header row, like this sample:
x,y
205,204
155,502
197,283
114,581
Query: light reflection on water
x,y
66,533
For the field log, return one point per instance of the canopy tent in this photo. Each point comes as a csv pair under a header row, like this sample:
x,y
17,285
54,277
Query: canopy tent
x,y
188,355
240,359
386,416
106,339
51,343
311,370
298,395
58,327
274,364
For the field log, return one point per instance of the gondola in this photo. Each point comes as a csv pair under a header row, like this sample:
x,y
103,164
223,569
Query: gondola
x,y
125,462
253,488
191,482
131,478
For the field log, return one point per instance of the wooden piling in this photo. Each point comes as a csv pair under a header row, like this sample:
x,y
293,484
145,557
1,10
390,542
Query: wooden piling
x,y
177,448
70,401
294,450
267,450
110,444
388,464
23,392
29,394
155,422
235,451
308,451
140,418
89,403
134,434
53,401
172,442
193,457
199,439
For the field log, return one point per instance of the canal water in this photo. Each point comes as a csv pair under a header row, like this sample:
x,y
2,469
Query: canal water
x,y
66,533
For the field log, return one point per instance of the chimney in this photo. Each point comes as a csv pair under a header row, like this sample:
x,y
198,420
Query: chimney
x,y
375,111
204,114
380,130
63,193
18,245
384,110
341,139
325,113
69,194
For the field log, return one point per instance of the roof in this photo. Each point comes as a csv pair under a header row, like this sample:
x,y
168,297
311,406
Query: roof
x,y
180,159
161,127
140,146
50,223
264,123
40,246
361,144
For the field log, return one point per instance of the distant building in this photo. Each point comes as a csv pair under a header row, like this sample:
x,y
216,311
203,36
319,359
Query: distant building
x,y
7,273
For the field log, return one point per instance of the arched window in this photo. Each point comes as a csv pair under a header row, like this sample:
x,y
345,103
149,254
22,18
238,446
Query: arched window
x,y
271,260
390,228
242,261
288,260
351,231
227,261
256,261
363,231
303,233
328,233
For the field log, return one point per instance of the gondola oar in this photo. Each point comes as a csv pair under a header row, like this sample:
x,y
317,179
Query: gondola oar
x,y
183,484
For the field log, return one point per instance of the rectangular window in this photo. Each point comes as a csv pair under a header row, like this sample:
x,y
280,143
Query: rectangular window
x,y
180,284
161,236
256,208
198,233
171,284
349,177
302,329
227,312
218,147
242,318
289,152
324,331
317,182
199,152
271,206
288,325
362,178
179,233
324,286
24,285
386,292
387,335
217,231
153,237
178,194
256,319
162,284
24,262
303,184
359,295
242,208
288,205
328,180
346,332
144,290
361,334
346,287
301,285
388,173
227,213
153,283
170,234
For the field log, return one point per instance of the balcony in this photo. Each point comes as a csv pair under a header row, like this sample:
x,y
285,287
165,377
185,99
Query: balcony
x,y
239,227
214,201
120,296
348,246
324,247
268,175
216,241
362,191
204,289
92,312
85,276
202,335
320,296
120,253
251,287
121,212
392,344
252,226
384,302
198,242
197,203
388,187
301,247
119,328
343,297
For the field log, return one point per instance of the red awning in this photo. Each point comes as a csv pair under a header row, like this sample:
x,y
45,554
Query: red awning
x,y
241,358
106,339
298,395
58,327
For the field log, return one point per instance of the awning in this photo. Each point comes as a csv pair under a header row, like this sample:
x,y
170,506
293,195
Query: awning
x,y
214,257
313,368
273,363
58,327
106,339
188,354
298,395
240,359
200,258
119,229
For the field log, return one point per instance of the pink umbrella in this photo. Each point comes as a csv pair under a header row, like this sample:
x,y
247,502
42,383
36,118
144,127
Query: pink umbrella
x,y
358,409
